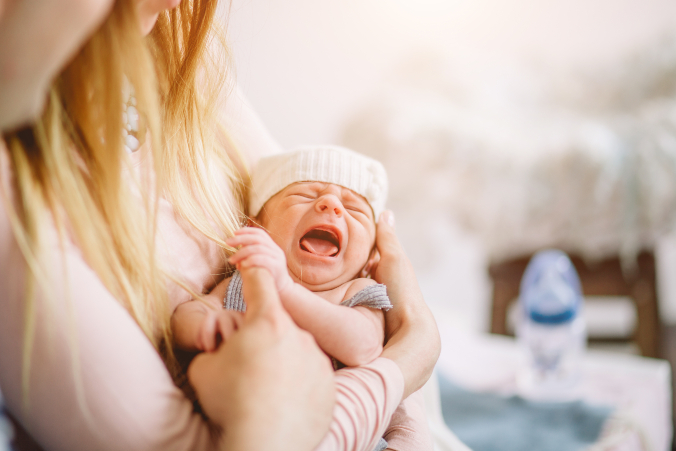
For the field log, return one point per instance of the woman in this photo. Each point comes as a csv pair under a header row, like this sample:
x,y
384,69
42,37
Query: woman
x,y
35,47
87,250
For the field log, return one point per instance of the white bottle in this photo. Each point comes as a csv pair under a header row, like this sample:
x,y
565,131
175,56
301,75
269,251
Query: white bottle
x,y
551,328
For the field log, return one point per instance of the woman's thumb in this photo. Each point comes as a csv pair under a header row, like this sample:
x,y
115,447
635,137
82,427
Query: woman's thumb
x,y
386,238
386,218
260,295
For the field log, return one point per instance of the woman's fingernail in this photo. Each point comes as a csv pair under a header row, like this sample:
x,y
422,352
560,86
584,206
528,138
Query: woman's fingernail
x,y
388,217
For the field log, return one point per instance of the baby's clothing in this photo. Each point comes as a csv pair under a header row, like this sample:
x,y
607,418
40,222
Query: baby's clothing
x,y
373,296
234,297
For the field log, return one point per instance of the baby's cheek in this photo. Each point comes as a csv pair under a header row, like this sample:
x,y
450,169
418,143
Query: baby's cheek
x,y
359,258
281,237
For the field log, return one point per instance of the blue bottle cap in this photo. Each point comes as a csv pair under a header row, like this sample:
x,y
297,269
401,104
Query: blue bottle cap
x,y
550,288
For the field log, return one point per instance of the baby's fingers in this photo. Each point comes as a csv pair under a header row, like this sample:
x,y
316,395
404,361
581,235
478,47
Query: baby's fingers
x,y
228,322
257,261
244,240
207,334
250,231
248,236
253,249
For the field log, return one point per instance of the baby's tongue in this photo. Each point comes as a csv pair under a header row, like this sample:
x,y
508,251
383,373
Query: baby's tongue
x,y
319,246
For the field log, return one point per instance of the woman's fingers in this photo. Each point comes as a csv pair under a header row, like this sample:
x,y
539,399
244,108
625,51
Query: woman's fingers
x,y
394,268
387,217
386,238
371,265
268,372
411,332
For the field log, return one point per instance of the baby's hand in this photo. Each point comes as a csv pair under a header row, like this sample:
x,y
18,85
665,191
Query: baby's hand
x,y
258,250
217,326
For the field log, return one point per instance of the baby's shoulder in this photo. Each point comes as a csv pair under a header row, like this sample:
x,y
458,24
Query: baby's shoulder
x,y
356,285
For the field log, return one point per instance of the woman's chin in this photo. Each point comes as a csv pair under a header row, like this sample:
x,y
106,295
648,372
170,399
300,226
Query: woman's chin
x,y
148,23
152,12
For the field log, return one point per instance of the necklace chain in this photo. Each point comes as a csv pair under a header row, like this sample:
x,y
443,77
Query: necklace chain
x,y
130,119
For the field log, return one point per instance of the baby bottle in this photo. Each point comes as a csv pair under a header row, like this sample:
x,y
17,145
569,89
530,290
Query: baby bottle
x,y
551,328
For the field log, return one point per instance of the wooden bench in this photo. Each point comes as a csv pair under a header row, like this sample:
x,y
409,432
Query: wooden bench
x,y
603,278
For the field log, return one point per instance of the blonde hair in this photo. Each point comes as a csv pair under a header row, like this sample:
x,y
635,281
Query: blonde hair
x,y
71,163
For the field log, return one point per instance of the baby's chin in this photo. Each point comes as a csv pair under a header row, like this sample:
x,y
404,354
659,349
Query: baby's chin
x,y
320,280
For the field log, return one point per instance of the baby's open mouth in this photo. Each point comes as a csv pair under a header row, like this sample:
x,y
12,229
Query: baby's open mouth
x,y
321,242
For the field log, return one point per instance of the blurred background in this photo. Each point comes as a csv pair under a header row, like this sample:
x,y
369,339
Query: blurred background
x,y
506,126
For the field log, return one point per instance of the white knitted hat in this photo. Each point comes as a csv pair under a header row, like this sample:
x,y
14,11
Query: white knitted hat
x,y
328,164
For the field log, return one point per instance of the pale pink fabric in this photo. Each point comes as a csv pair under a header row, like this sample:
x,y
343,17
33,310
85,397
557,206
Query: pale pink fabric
x,y
354,422
96,383
408,429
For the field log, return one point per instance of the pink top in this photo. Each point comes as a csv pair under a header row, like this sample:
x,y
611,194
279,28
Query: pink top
x,y
121,395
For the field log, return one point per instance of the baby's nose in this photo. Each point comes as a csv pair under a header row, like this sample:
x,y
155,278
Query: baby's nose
x,y
329,204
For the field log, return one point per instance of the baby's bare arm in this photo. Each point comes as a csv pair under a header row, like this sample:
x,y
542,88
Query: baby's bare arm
x,y
353,335
199,325
186,325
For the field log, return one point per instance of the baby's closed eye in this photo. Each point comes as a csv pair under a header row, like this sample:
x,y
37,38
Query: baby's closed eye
x,y
356,209
303,195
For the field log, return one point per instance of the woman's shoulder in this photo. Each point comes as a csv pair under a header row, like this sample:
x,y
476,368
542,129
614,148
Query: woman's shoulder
x,y
243,129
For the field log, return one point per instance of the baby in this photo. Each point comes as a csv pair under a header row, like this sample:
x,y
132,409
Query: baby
x,y
315,210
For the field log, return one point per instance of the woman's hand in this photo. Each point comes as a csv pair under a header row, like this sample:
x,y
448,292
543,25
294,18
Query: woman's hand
x,y
410,330
269,385
198,326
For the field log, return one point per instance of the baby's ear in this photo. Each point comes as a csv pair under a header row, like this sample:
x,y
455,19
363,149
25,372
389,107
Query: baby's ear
x,y
371,264
257,221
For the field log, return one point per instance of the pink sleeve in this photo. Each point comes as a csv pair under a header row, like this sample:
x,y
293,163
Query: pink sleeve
x,y
95,380
366,398
408,430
